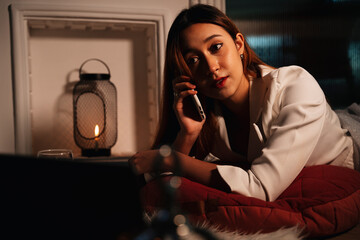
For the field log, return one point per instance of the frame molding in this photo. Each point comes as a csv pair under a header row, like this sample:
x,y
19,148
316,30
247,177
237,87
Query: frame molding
x,y
21,14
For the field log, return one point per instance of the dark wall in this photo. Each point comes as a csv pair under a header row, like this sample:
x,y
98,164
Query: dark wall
x,y
321,36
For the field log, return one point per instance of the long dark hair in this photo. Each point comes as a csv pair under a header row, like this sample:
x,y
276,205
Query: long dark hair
x,y
175,66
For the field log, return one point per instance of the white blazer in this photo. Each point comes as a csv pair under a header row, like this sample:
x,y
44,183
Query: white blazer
x,y
291,127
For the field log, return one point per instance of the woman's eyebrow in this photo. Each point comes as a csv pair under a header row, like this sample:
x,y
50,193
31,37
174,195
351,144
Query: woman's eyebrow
x,y
187,50
211,37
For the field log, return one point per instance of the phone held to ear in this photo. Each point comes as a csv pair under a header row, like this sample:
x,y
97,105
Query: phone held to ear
x,y
198,106
197,103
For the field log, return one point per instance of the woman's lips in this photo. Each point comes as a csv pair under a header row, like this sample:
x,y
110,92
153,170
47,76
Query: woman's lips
x,y
220,82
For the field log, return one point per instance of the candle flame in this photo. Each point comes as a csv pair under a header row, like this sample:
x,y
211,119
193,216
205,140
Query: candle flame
x,y
96,130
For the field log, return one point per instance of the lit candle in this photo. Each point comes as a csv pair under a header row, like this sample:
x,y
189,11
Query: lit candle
x,y
96,131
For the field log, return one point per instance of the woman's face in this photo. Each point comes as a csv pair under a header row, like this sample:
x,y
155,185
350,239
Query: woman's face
x,y
213,57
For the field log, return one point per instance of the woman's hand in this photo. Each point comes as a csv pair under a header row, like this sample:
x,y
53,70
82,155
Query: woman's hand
x,y
196,170
187,115
145,162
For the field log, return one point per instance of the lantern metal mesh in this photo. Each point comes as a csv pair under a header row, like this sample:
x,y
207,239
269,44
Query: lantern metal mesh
x,y
94,100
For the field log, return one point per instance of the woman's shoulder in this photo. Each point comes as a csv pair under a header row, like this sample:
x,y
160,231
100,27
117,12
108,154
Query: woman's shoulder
x,y
286,76
291,81
292,71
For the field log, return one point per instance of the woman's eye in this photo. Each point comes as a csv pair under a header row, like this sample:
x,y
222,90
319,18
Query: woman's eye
x,y
216,47
193,60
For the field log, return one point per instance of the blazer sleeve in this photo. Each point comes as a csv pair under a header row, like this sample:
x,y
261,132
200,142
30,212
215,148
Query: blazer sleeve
x,y
297,107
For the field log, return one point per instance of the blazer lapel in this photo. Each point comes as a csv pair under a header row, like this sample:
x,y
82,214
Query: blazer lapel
x,y
258,90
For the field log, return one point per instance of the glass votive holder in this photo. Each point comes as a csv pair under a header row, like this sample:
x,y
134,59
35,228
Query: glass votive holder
x,y
55,154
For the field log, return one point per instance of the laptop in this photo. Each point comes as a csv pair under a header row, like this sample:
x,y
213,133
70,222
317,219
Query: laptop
x,y
54,199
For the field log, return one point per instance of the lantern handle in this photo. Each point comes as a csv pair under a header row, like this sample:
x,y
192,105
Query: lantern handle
x,y
93,59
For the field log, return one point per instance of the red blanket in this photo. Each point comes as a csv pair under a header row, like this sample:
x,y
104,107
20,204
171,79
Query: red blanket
x,y
323,200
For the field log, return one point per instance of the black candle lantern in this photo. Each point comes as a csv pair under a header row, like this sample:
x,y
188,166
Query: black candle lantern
x,y
95,112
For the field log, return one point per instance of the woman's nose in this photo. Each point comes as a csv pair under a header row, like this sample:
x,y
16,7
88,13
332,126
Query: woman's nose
x,y
212,64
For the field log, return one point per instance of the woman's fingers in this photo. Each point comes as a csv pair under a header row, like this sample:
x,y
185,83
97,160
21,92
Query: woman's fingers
x,y
181,84
181,79
133,163
143,162
183,94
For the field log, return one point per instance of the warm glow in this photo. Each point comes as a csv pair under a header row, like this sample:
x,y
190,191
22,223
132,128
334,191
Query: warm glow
x,y
96,130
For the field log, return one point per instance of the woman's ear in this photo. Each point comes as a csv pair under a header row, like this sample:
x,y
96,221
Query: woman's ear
x,y
239,43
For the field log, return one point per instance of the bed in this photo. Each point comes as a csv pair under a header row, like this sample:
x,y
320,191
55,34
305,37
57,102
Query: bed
x,y
323,201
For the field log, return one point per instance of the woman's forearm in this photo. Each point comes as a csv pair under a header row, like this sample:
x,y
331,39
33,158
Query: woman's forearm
x,y
184,142
199,171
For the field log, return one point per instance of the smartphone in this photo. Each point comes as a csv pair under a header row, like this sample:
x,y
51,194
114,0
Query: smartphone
x,y
197,103
198,106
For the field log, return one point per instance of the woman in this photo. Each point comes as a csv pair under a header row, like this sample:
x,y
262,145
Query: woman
x,y
263,125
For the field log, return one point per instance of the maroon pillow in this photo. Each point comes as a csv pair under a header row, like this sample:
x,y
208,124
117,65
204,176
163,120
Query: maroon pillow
x,y
323,200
